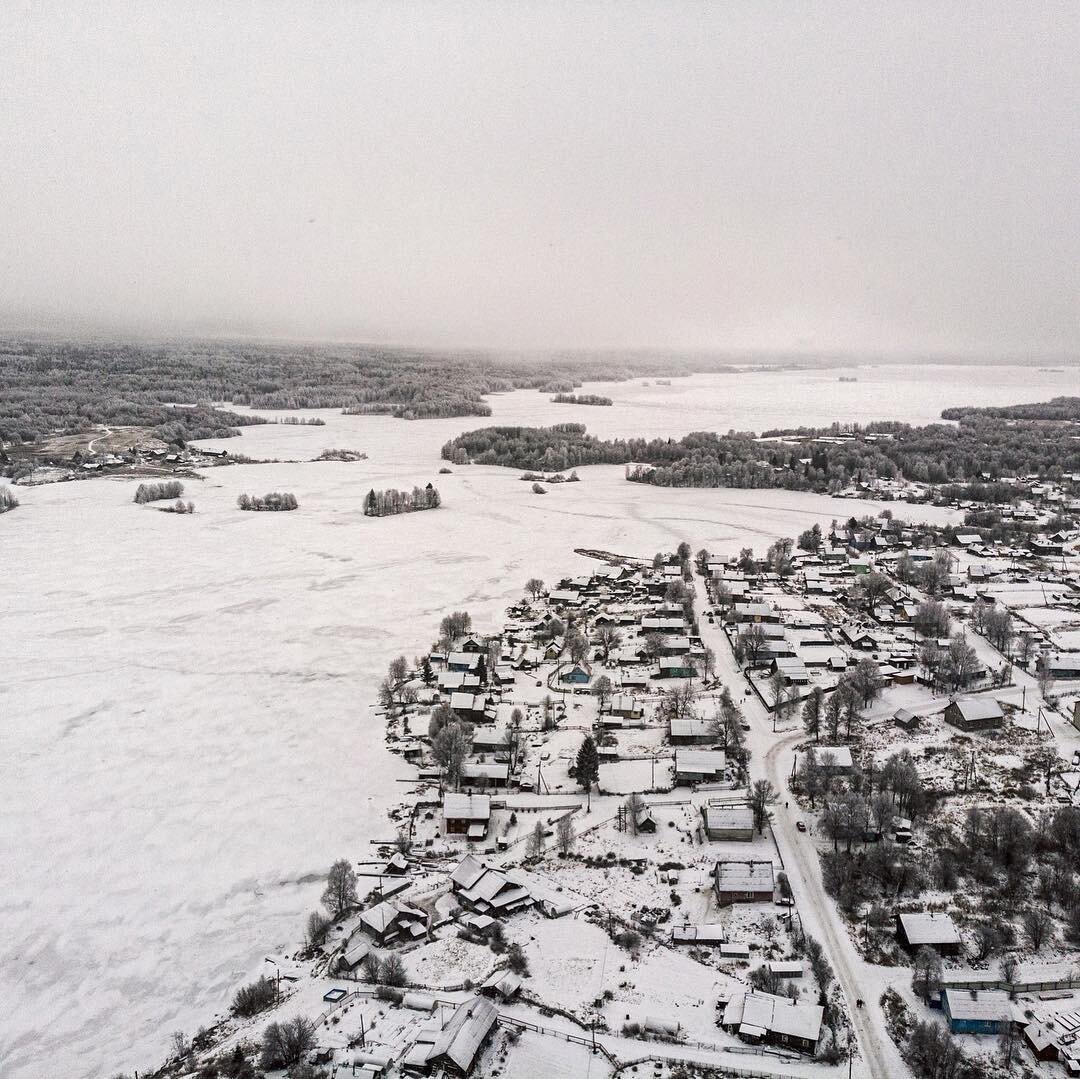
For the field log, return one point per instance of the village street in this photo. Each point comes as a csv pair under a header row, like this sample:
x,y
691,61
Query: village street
x,y
772,760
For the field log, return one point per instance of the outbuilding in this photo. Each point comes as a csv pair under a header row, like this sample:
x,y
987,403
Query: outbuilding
x,y
728,822
935,930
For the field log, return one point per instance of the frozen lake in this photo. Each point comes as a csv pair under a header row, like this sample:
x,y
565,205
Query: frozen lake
x,y
186,711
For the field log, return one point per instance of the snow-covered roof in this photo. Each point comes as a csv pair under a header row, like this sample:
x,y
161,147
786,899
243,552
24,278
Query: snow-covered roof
x,y
710,933
934,928
701,761
688,728
841,756
464,659
978,1004
976,709
460,1040
744,876
476,770
776,1014
467,807
728,818
380,917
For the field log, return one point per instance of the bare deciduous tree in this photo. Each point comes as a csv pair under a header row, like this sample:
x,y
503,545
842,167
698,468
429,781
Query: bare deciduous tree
x,y
340,893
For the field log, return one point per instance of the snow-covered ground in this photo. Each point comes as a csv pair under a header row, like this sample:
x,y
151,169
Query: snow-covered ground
x,y
187,703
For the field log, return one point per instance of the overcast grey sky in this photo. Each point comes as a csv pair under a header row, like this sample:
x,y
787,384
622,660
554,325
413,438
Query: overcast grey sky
x,y
790,175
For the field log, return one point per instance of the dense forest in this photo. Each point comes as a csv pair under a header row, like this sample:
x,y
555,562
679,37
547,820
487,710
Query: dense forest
x,y
389,502
49,386
976,449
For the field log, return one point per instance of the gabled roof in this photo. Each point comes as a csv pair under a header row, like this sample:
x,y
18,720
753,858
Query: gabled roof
x,y
975,709
460,1040
469,870
700,760
383,915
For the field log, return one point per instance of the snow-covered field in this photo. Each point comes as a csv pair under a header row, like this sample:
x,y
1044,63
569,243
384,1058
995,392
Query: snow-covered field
x,y
189,737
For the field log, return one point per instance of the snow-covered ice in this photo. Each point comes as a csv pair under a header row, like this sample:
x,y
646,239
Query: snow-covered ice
x,y
187,705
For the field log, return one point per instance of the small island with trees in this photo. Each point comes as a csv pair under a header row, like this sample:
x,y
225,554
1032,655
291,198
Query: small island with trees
x,y
580,399
8,501
274,501
390,502
156,492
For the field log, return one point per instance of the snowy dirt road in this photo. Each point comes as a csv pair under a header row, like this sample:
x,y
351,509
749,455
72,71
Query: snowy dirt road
x,y
771,759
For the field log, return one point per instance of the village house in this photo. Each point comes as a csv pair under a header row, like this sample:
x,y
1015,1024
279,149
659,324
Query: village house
x,y
466,814
455,1048
793,671
464,661
743,882
728,822
974,714
976,1011
481,775
762,1017
489,740
471,706
576,674
754,613
1042,1041
354,952
786,968
691,731
1064,665
564,597
486,891
676,667
625,705
391,921
501,985
833,760
699,766
711,934
453,681
935,930
663,624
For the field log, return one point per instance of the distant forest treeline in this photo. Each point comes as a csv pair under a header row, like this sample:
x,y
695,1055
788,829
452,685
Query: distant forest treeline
x,y
1058,408
51,387
937,453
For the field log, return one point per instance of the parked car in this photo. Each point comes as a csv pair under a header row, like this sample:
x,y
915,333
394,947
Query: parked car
x,y
801,825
